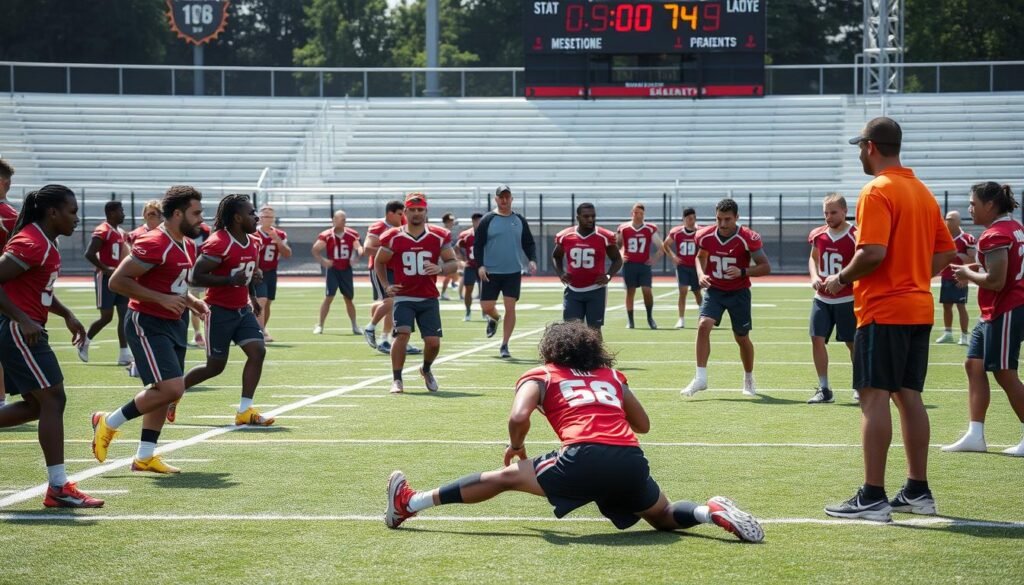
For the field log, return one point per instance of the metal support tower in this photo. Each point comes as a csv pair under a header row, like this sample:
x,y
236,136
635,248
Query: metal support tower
x,y
883,46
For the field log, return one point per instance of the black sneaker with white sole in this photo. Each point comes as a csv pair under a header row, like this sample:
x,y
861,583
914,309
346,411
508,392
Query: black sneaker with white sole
x,y
504,353
492,327
822,396
860,507
923,504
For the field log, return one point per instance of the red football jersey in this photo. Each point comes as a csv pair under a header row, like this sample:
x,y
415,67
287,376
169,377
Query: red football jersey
x,y
685,247
409,255
131,236
271,255
232,257
8,217
584,256
583,407
636,242
111,239
378,228
204,234
722,254
1008,233
465,241
964,242
32,291
170,265
834,253
339,248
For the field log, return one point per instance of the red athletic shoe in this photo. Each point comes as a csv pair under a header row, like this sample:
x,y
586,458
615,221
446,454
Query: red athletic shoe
x,y
172,411
69,496
399,494
725,514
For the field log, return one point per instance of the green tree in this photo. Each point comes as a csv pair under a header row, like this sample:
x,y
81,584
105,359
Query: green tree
x,y
964,30
493,30
814,31
346,33
410,38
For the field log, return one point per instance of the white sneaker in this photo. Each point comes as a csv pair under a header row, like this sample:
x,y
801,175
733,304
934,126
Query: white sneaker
x,y
1017,451
964,339
444,296
681,323
946,337
856,396
694,387
748,387
133,372
397,387
318,330
83,352
967,444
466,318
124,359
356,330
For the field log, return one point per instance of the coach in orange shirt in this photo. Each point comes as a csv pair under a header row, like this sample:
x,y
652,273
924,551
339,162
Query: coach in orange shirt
x,y
902,242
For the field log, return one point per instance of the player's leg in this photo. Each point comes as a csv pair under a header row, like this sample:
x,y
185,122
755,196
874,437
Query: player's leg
x,y
106,316
3,388
60,492
630,294
509,324
594,309
348,292
964,321
681,307
18,413
469,279
489,291
405,317
821,324
1008,361
332,285
948,296
197,323
979,393
915,496
668,516
646,282
428,319
248,336
124,355
738,304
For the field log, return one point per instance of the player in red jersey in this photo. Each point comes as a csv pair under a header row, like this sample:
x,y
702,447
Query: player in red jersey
x,y
155,278
275,246
198,292
832,248
637,239
105,252
28,270
464,248
590,407
953,292
151,218
448,220
381,309
342,247
585,277
8,217
679,245
416,253
728,255
996,339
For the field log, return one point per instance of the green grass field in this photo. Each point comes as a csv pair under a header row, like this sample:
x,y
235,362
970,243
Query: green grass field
x,y
303,501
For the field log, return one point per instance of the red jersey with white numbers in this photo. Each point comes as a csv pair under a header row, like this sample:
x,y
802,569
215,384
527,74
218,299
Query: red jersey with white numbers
x,y
232,257
637,241
131,236
378,228
465,241
8,217
170,265
834,253
583,407
728,252
32,290
111,239
1004,233
584,256
963,242
683,244
409,255
339,246
271,254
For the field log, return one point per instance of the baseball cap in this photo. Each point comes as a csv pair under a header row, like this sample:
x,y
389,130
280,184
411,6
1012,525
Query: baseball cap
x,y
880,130
416,200
501,189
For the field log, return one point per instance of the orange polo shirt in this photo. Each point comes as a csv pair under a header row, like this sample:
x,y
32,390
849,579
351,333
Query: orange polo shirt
x,y
896,210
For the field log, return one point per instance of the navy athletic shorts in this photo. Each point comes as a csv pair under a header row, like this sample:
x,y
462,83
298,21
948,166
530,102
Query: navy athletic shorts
x,y
585,306
507,285
736,302
340,279
227,326
158,345
687,276
423,313
951,294
106,298
378,289
891,357
26,367
826,317
997,342
636,274
267,288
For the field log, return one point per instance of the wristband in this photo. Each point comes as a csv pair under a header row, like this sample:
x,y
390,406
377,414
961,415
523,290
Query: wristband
x,y
743,272
839,277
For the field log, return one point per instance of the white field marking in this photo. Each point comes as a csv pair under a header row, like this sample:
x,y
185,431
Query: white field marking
x,y
290,395
40,489
235,405
218,387
232,417
333,406
97,492
810,389
90,460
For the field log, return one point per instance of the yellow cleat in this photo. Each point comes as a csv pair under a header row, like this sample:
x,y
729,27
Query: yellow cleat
x,y
102,435
154,465
253,417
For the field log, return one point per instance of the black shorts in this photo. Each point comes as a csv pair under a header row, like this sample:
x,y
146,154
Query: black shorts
x,y
508,285
636,274
585,306
826,317
951,294
736,302
378,289
616,478
267,288
106,298
997,342
687,276
158,345
340,279
891,357
227,326
423,313
469,276
27,367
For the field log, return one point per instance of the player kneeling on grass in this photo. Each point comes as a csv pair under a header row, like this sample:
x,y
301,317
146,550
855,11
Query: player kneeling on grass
x,y
591,409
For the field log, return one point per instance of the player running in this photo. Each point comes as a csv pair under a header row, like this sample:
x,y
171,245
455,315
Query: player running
x,y
381,309
417,253
448,220
590,407
680,246
832,249
464,246
274,245
198,292
637,238
105,252
28,270
953,292
995,342
585,276
342,246
725,252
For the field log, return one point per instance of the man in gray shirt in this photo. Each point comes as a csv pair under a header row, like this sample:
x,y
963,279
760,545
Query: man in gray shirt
x,y
500,237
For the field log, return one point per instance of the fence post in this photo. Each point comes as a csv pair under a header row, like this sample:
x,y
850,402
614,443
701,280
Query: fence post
x,y
332,205
572,209
664,224
750,210
255,202
540,231
780,231
945,206
462,83
366,87
81,209
133,209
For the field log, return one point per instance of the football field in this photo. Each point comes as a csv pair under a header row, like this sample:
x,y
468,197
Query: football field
x,y
303,501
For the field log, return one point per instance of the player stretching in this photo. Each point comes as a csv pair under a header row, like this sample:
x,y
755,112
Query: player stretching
x,y
952,291
596,417
420,252
381,309
724,255
995,342
679,245
585,278
274,243
105,252
28,270
342,246
637,238
464,244
8,217
832,247
155,278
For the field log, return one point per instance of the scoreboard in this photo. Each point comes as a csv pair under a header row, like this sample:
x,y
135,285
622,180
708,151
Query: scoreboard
x,y
620,48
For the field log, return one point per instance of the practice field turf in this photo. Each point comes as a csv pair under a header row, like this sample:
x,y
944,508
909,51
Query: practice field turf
x,y
303,501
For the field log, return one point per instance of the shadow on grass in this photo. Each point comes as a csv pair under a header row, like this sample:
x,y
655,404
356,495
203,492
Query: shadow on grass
x,y
760,399
25,428
273,429
195,480
442,394
973,527
39,518
562,538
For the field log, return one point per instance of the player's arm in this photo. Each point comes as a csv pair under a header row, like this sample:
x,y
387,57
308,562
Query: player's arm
x,y
70,321
635,413
619,243
123,282
202,274
526,401
994,278
318,249
701,264
761,267
92,255
669,248
282,244
613,254
11,268
940,260
658,246
557,256
380,268
812,268
371,244
449,263
865,260
972,255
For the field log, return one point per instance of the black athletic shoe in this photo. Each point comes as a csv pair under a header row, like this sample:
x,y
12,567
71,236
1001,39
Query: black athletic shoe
x,y
492,327
503,352
651,323
922,504
822,396
412,350
860,507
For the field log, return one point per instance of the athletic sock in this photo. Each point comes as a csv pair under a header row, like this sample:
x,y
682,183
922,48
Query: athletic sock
x,y
949,330
649,309
702,374
914,487
56,475
369,327
421,501
125,353
397,374
976,429
702,514
873,492
748,376
244,404
629,317
123,415
426,367
86,344
147,444
823,381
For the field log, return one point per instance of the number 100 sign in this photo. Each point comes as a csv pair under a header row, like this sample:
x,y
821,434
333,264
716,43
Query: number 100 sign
x,y
198,21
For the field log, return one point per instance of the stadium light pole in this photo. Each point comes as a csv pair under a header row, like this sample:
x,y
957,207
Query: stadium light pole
x,y
433,39
197,60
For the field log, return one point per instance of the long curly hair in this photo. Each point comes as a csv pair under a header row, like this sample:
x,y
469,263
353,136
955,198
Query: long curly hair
x,y
227,209
574,345
38,202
